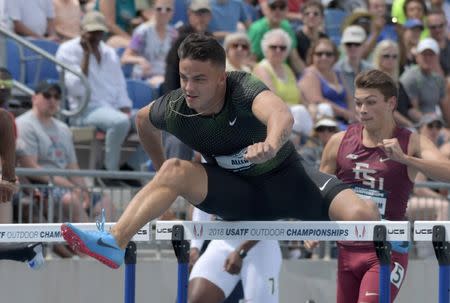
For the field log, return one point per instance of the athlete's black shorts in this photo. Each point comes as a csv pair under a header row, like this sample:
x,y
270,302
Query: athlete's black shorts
x,y
289,191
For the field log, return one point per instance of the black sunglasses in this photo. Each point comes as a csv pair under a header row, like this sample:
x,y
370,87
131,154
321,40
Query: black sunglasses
x,y
280,47
240,45
325,128
436,124
280,6
389,56
326,54
352,44
48,96
436,26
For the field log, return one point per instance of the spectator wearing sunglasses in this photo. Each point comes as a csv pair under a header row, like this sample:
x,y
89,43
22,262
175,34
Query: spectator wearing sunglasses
x,y
351,64
273,71
322,85
45,142
387,59
150,45
275,18
437,24
310,32
237,49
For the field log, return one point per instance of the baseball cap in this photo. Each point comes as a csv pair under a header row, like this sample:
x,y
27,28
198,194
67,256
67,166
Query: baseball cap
x,y
428,43
46,86
327,122
411,23
197,5
353,34
430,118
94,21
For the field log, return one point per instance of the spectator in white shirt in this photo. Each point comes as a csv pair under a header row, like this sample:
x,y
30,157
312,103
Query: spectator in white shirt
x,y
33,18
109,107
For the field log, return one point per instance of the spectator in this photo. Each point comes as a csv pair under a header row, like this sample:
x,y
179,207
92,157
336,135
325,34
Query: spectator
x,y
428,203
33,18
403,10
324,129
237,48
444,6
225,16
310,32
120,15
276,18
109,106
352,63
437,23
381,26
322,84
150,45
199,16
273,71
387,59
426,88
45,142
410,39
67,18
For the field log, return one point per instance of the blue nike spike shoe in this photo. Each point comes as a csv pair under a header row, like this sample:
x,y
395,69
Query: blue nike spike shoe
x,y
99,244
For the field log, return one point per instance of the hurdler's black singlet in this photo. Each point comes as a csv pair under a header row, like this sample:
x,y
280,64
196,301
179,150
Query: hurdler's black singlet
x,y
237,188
221,139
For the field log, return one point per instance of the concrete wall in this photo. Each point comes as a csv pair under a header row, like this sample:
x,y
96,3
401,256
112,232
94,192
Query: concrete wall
x,y
81,281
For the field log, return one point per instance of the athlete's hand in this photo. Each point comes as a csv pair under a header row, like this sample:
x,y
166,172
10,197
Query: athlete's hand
x,y
194,254
7,189
233,263
260,152
311,244
393,150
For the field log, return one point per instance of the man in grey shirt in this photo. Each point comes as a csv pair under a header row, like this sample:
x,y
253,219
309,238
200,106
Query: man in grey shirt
x,y
425,88
46,142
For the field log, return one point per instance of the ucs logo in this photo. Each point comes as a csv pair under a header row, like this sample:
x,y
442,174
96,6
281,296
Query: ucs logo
x,y
423,231
164,230
142,232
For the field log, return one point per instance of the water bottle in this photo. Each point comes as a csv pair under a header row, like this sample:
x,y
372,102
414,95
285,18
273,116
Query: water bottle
x,y
38,260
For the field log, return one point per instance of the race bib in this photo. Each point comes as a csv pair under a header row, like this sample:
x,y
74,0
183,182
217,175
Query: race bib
x,y
235,162
377,196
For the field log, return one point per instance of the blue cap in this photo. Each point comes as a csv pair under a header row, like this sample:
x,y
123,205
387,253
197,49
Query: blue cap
x,y
411,23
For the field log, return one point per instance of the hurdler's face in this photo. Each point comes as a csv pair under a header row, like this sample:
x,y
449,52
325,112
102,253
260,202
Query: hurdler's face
x,y
201,82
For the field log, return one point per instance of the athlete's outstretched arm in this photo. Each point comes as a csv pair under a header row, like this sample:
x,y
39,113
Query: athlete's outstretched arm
x,y
150,136
274,113
329,154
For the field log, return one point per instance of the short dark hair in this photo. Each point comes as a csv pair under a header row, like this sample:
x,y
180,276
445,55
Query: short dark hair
x,y
202,48
313,3
376,79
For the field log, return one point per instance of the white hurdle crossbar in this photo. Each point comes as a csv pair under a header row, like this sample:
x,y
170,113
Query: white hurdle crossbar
x,y
284,230
52,232
423,230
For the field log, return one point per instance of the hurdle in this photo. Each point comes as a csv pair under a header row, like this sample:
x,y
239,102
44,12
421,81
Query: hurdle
x,y
438,232
379,232
51,233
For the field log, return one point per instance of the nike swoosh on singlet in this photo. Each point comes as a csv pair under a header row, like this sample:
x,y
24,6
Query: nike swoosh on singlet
x,y
368,293
101,243
232,122
325,184
385,159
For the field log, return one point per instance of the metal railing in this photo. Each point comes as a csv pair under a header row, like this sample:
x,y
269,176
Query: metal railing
x,y
64,67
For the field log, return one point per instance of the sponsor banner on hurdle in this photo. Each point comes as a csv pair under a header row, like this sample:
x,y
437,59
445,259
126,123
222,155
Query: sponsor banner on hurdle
x,y
423,230
52,232
283,230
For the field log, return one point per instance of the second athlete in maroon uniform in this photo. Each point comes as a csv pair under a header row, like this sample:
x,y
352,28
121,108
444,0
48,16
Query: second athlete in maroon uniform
x,y
373,176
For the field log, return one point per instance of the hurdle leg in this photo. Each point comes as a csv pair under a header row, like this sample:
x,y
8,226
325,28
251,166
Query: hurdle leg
x,y
383,251
130,273
181,248
442,251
